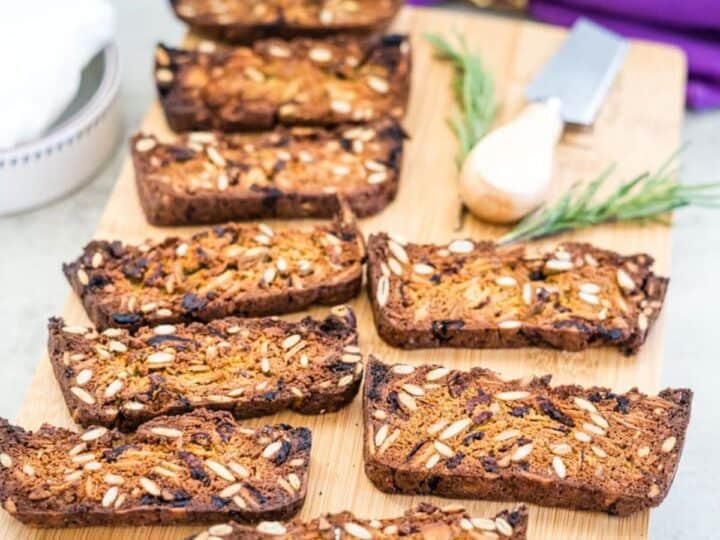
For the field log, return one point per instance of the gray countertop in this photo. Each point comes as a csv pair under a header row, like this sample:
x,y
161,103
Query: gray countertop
x,y
32,288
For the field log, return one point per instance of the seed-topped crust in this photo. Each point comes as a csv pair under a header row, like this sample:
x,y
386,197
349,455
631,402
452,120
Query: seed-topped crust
x,y
474,435
250,367
210,177
473,294
421,522
245,270
230,20
201,467
303,81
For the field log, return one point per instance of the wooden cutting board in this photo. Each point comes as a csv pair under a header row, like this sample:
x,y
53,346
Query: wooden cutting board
x,y
639,127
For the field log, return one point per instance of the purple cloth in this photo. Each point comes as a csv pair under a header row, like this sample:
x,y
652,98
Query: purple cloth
x,y
691,25
702,51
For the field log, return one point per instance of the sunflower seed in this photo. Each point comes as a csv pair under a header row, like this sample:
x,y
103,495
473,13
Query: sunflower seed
x,y
443,449
522,452
512,395
484,524
291,341
561,449
113,479
145,145
527,294
170,433
150,486
93,434
164,330
83,377
83,395
509,325
5,460
272,449
455,428
461,246
559,466
585,405
413,390
383,291
113,388
220,470
503,527
505,281
230,491
668,444
357,531
558,265
626,283
381,86
160,357
437,374
274,528
340,106
432,461
507,434
320,54
407,401
110,496
599,452
582,436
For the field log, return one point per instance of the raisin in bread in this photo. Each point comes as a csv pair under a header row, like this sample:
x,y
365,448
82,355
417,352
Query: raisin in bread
x,y
474,294
195,468
207,177
230,20
249,367
422,522
244,270
304,81
434,430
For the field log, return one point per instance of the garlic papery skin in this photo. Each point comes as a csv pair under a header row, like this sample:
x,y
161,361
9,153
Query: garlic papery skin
x,y
508,173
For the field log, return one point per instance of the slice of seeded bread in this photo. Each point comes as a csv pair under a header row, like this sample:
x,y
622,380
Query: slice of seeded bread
x,y
422,522
437,431
230,20
210,177
275,82
249,367
244,270
201,467
474,294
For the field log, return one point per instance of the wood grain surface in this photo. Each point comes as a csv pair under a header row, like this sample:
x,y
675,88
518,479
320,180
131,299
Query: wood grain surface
x,y
638,127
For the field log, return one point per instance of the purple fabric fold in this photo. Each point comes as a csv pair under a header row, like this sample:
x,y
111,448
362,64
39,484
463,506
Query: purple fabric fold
x,y
681,14
703,54
691,25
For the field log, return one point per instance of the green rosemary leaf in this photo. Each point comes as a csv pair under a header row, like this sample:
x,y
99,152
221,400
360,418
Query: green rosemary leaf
x,y
647,197
473,91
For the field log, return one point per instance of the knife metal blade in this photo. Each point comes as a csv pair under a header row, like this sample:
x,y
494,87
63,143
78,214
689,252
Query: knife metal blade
x,y
581,72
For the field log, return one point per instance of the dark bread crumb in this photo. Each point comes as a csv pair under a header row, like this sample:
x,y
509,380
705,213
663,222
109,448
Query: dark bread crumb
x,y
243,270
436,431
249,367
284,173
230,20
476,295
421,522
274,82
201,467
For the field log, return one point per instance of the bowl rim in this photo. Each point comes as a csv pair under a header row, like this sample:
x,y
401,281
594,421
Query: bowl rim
x,y
89,114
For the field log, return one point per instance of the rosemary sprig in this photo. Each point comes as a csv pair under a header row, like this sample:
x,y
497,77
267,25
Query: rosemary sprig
x,y
644,198
474,93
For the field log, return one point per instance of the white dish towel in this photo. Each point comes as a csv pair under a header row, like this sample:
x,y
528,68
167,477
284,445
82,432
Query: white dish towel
x,y
44,46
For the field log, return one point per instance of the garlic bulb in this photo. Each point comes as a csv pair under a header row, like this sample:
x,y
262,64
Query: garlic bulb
x,y
507,174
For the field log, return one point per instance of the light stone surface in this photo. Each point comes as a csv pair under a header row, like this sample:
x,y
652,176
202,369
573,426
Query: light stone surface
x,y
32,288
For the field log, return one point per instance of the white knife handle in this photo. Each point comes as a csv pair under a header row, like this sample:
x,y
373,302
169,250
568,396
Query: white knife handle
x,y
507,173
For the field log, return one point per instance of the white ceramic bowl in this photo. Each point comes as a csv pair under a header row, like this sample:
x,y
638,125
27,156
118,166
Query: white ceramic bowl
x,y
73,148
